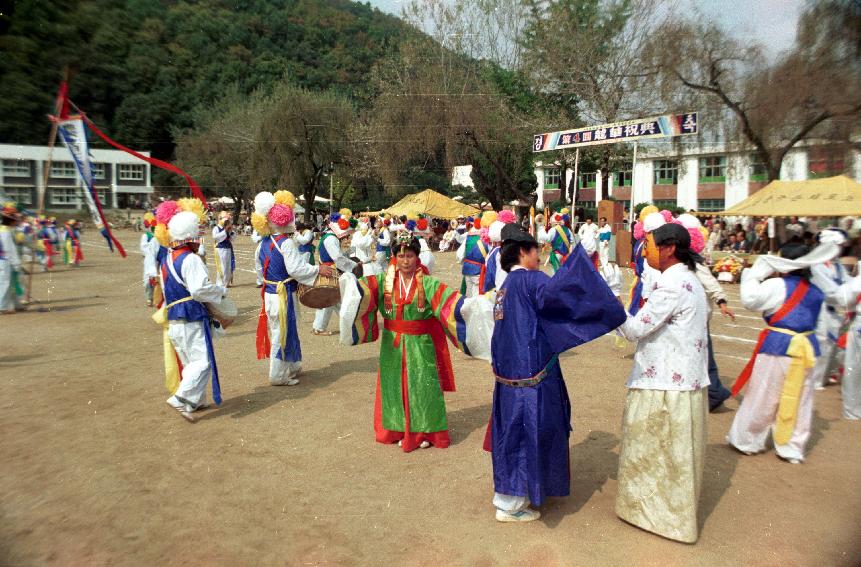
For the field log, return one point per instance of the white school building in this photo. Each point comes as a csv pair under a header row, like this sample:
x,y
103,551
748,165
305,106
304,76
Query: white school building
x,y
696,179
121,179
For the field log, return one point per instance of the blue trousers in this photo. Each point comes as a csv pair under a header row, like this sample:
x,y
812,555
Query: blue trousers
x,y
717,392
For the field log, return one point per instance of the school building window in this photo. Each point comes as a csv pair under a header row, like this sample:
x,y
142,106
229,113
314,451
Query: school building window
x,y
625,175
666,172
709,205
585,205
588,179
63,169
666,204
758,171
130,172
64,196
98,171
20,195
16,168
713,169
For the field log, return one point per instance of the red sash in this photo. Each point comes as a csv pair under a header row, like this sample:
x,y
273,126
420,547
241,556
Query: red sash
x,y
785,309
842,339
433,328
263,344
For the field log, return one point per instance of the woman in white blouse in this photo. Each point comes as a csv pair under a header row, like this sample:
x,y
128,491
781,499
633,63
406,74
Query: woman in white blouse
x,y
664,425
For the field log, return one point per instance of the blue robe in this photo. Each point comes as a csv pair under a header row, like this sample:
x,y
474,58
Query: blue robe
x,y
537,318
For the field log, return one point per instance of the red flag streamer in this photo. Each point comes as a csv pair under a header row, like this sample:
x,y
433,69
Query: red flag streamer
x,y
195,188
90,189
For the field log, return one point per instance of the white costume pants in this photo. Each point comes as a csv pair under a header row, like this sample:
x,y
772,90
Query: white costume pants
x,y
471,286
755,418
9,300
604,252
280,371
510,504
225,277
827,326
321,319
190,343
851,383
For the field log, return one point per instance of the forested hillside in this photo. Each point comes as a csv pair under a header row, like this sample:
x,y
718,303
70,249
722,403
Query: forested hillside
x,y
142,68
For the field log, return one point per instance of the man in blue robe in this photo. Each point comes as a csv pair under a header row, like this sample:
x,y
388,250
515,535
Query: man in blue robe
x,y
537,319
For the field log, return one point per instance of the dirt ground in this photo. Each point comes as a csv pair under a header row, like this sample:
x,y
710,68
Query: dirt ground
x,y
97,470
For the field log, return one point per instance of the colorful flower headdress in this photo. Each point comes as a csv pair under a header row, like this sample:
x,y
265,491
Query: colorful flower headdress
x,y
178,221
273,212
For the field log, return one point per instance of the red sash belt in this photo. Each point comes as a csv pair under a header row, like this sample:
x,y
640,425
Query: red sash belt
x,y
784,310
433,328
476,262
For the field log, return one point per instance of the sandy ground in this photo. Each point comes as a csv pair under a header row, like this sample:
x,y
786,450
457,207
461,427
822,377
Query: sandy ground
x,y
97,470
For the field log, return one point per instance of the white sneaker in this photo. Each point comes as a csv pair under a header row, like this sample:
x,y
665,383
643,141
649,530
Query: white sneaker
x,y
425,444
183,409
525,515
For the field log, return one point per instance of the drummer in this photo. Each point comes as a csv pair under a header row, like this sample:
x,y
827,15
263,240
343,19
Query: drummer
x,y
341,225
280,265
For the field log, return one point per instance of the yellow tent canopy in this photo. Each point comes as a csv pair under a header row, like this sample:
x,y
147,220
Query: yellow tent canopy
x,y
827,197
431,203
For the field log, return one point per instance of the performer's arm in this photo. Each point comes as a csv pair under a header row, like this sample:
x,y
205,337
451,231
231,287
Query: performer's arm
x,y
714,291
299,270
358,314
761,294
823,280
461,251
468,322
576,306
544,235
653,315
304,237
197,281
333,247
219,234
385,238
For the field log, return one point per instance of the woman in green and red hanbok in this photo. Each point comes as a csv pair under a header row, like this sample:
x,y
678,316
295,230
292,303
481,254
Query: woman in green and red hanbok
x,y
418,313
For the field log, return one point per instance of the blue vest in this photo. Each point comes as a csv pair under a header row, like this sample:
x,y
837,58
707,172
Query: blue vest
x,y
473,259
325,258
559,243
800,320
174,291
276,271
226,243
490,271
381,248
309,247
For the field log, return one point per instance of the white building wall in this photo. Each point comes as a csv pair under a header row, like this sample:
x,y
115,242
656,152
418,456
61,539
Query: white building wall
x,y
642,182
794,166
737,179
539,191
686,195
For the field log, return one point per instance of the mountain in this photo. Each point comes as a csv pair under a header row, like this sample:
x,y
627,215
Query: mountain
x,y
142,68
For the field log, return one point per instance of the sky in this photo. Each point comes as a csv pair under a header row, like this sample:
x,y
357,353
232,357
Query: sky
x,y
769,22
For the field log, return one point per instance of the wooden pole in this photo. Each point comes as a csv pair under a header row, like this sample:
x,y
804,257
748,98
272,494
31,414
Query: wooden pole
x,y
46,172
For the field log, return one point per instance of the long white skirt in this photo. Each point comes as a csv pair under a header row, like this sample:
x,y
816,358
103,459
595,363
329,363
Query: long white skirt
x,y
661,461
754,420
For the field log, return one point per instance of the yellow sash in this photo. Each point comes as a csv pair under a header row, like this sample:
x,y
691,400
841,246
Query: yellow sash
x,y
218,271
171,368
803,358
561,232
281,290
